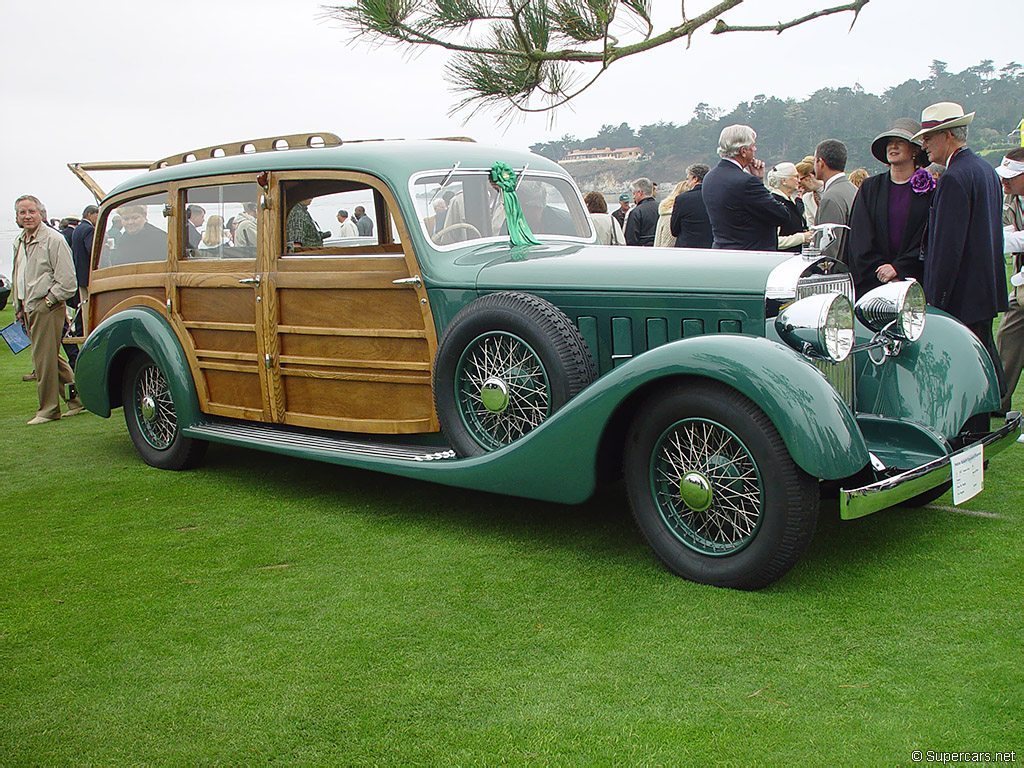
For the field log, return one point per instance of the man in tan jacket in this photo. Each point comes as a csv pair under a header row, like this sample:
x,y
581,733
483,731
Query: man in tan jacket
x,y
44,278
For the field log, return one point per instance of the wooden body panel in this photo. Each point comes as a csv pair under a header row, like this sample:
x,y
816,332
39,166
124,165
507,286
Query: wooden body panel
x,y
321,338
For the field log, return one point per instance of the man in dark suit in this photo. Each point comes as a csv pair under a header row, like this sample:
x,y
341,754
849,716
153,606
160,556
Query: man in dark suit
x,y
837,194
964,272
195,216
690,224
643,219
889,214
744,215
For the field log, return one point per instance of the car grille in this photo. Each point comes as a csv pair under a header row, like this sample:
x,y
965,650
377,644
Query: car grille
x,y
839,375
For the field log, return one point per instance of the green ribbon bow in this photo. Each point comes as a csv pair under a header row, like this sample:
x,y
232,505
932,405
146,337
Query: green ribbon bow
x,y
518,230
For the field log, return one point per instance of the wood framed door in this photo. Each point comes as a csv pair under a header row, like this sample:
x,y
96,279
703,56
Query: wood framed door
x,y
214,295
349,331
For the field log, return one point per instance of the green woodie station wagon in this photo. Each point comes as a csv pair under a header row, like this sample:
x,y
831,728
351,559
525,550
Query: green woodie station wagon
x,y
468,331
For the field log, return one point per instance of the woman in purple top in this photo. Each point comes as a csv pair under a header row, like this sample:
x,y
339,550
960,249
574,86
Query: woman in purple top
x,y
890,212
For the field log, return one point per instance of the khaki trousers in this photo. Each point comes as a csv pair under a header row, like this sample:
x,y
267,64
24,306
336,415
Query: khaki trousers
x,y
45,329
1011,347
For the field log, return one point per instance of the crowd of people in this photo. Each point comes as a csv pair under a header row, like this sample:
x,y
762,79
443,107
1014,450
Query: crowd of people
x,y
938,214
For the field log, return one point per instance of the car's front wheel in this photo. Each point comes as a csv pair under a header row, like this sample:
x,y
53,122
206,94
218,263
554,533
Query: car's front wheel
x,y
714,489
152,419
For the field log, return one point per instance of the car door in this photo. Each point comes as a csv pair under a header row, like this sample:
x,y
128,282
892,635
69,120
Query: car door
x,y
214,297
350,336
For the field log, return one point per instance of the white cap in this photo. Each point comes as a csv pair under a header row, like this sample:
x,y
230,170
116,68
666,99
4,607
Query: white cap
x,y
1010,169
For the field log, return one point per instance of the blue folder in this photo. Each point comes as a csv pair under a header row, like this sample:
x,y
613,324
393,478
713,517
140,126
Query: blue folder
x,y
16,338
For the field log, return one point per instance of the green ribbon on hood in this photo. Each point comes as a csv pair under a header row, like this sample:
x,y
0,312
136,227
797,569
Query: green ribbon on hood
x,y
518,230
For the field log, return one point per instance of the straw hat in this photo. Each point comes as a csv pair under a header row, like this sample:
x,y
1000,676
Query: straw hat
x,y
942,117
901,128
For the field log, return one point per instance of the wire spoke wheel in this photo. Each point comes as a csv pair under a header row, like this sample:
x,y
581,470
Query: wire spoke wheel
x,y
154,408
502,389
707,487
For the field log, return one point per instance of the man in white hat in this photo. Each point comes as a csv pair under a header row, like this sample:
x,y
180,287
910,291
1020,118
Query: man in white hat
x,y
964,272
1011,333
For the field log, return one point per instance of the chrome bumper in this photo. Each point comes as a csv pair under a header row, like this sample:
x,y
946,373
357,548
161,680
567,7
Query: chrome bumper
x,y
858,502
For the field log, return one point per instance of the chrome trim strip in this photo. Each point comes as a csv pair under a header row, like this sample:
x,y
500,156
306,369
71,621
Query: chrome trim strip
x,y
858,502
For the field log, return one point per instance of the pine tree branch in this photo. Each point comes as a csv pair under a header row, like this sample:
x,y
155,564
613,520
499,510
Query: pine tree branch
x,y
855,7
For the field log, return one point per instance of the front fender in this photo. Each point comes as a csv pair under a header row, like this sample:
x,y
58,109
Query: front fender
x,y
558,460
137,329
940,381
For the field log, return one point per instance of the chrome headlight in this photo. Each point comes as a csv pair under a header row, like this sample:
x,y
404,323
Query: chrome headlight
x,y
819,326
897,308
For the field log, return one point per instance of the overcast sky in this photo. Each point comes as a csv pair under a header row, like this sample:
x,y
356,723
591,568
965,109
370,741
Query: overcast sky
x,y
119,80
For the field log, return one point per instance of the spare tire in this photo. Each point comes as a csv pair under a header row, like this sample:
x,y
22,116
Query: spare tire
x,y
506,363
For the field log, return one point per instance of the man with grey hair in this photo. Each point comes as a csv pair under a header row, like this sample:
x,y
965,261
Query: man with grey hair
x,y
642,222
744,215
964,271
44,279
246,225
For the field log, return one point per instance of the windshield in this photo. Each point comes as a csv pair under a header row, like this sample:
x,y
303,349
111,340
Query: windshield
x,y
462,206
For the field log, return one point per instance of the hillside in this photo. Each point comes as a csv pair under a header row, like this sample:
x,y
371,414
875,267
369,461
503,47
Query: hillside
x,y
789,129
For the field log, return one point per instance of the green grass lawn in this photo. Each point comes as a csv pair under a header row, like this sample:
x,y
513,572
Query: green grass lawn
x,y
264,609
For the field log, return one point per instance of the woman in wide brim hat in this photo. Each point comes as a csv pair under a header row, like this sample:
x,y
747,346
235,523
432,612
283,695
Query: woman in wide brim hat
x,y
889,215
902,128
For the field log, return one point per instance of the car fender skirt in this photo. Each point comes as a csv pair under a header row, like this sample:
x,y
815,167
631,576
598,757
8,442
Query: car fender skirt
x,y
135,329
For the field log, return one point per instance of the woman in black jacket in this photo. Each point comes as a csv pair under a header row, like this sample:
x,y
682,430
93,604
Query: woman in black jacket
x,y
890,212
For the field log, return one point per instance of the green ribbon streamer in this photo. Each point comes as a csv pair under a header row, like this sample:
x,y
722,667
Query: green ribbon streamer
x,y
518,230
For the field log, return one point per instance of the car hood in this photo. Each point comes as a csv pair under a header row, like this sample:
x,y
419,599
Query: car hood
x,y
618,268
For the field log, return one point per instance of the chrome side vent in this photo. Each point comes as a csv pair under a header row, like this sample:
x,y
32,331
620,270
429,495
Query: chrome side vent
x,y
839,375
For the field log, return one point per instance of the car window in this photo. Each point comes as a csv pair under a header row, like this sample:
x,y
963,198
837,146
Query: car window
x,y
220,222
334,217
135,232
456,208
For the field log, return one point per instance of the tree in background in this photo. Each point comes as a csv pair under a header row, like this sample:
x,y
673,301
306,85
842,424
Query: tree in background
x,y
531,55
788,129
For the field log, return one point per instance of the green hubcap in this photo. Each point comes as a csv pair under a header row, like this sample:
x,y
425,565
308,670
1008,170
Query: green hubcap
x,y
707,487
695,491
501,389
494,394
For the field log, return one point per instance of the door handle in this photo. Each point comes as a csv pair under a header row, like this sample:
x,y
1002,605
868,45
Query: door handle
x,y
250,280
414,281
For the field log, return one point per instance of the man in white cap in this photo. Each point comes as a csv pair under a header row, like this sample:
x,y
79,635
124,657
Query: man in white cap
x,y
1011,333
964,272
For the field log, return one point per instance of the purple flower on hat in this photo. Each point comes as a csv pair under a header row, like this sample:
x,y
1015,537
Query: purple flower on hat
x,y
922,182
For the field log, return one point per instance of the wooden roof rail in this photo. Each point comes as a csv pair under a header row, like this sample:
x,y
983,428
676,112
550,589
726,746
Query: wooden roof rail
x,y
252,146
81,170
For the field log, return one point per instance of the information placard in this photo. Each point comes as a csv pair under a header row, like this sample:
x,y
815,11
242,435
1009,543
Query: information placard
x,y
16,338
968,474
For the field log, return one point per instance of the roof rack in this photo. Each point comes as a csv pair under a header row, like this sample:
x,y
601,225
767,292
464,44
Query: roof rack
x,y
252,146
274,143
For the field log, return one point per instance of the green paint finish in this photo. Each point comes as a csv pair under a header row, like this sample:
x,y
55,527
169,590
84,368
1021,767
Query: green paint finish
x,y
622,340
901,444
587,325
940,381
125,333
657,332
693,327
730,326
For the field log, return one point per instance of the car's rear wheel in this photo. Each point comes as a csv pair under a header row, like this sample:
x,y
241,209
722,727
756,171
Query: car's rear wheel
x,y
714,489
506,363
152,418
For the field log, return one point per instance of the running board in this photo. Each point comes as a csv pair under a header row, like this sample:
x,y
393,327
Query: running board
x,y
301,443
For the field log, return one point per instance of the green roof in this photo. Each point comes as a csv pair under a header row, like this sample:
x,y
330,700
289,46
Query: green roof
x,y
394,161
